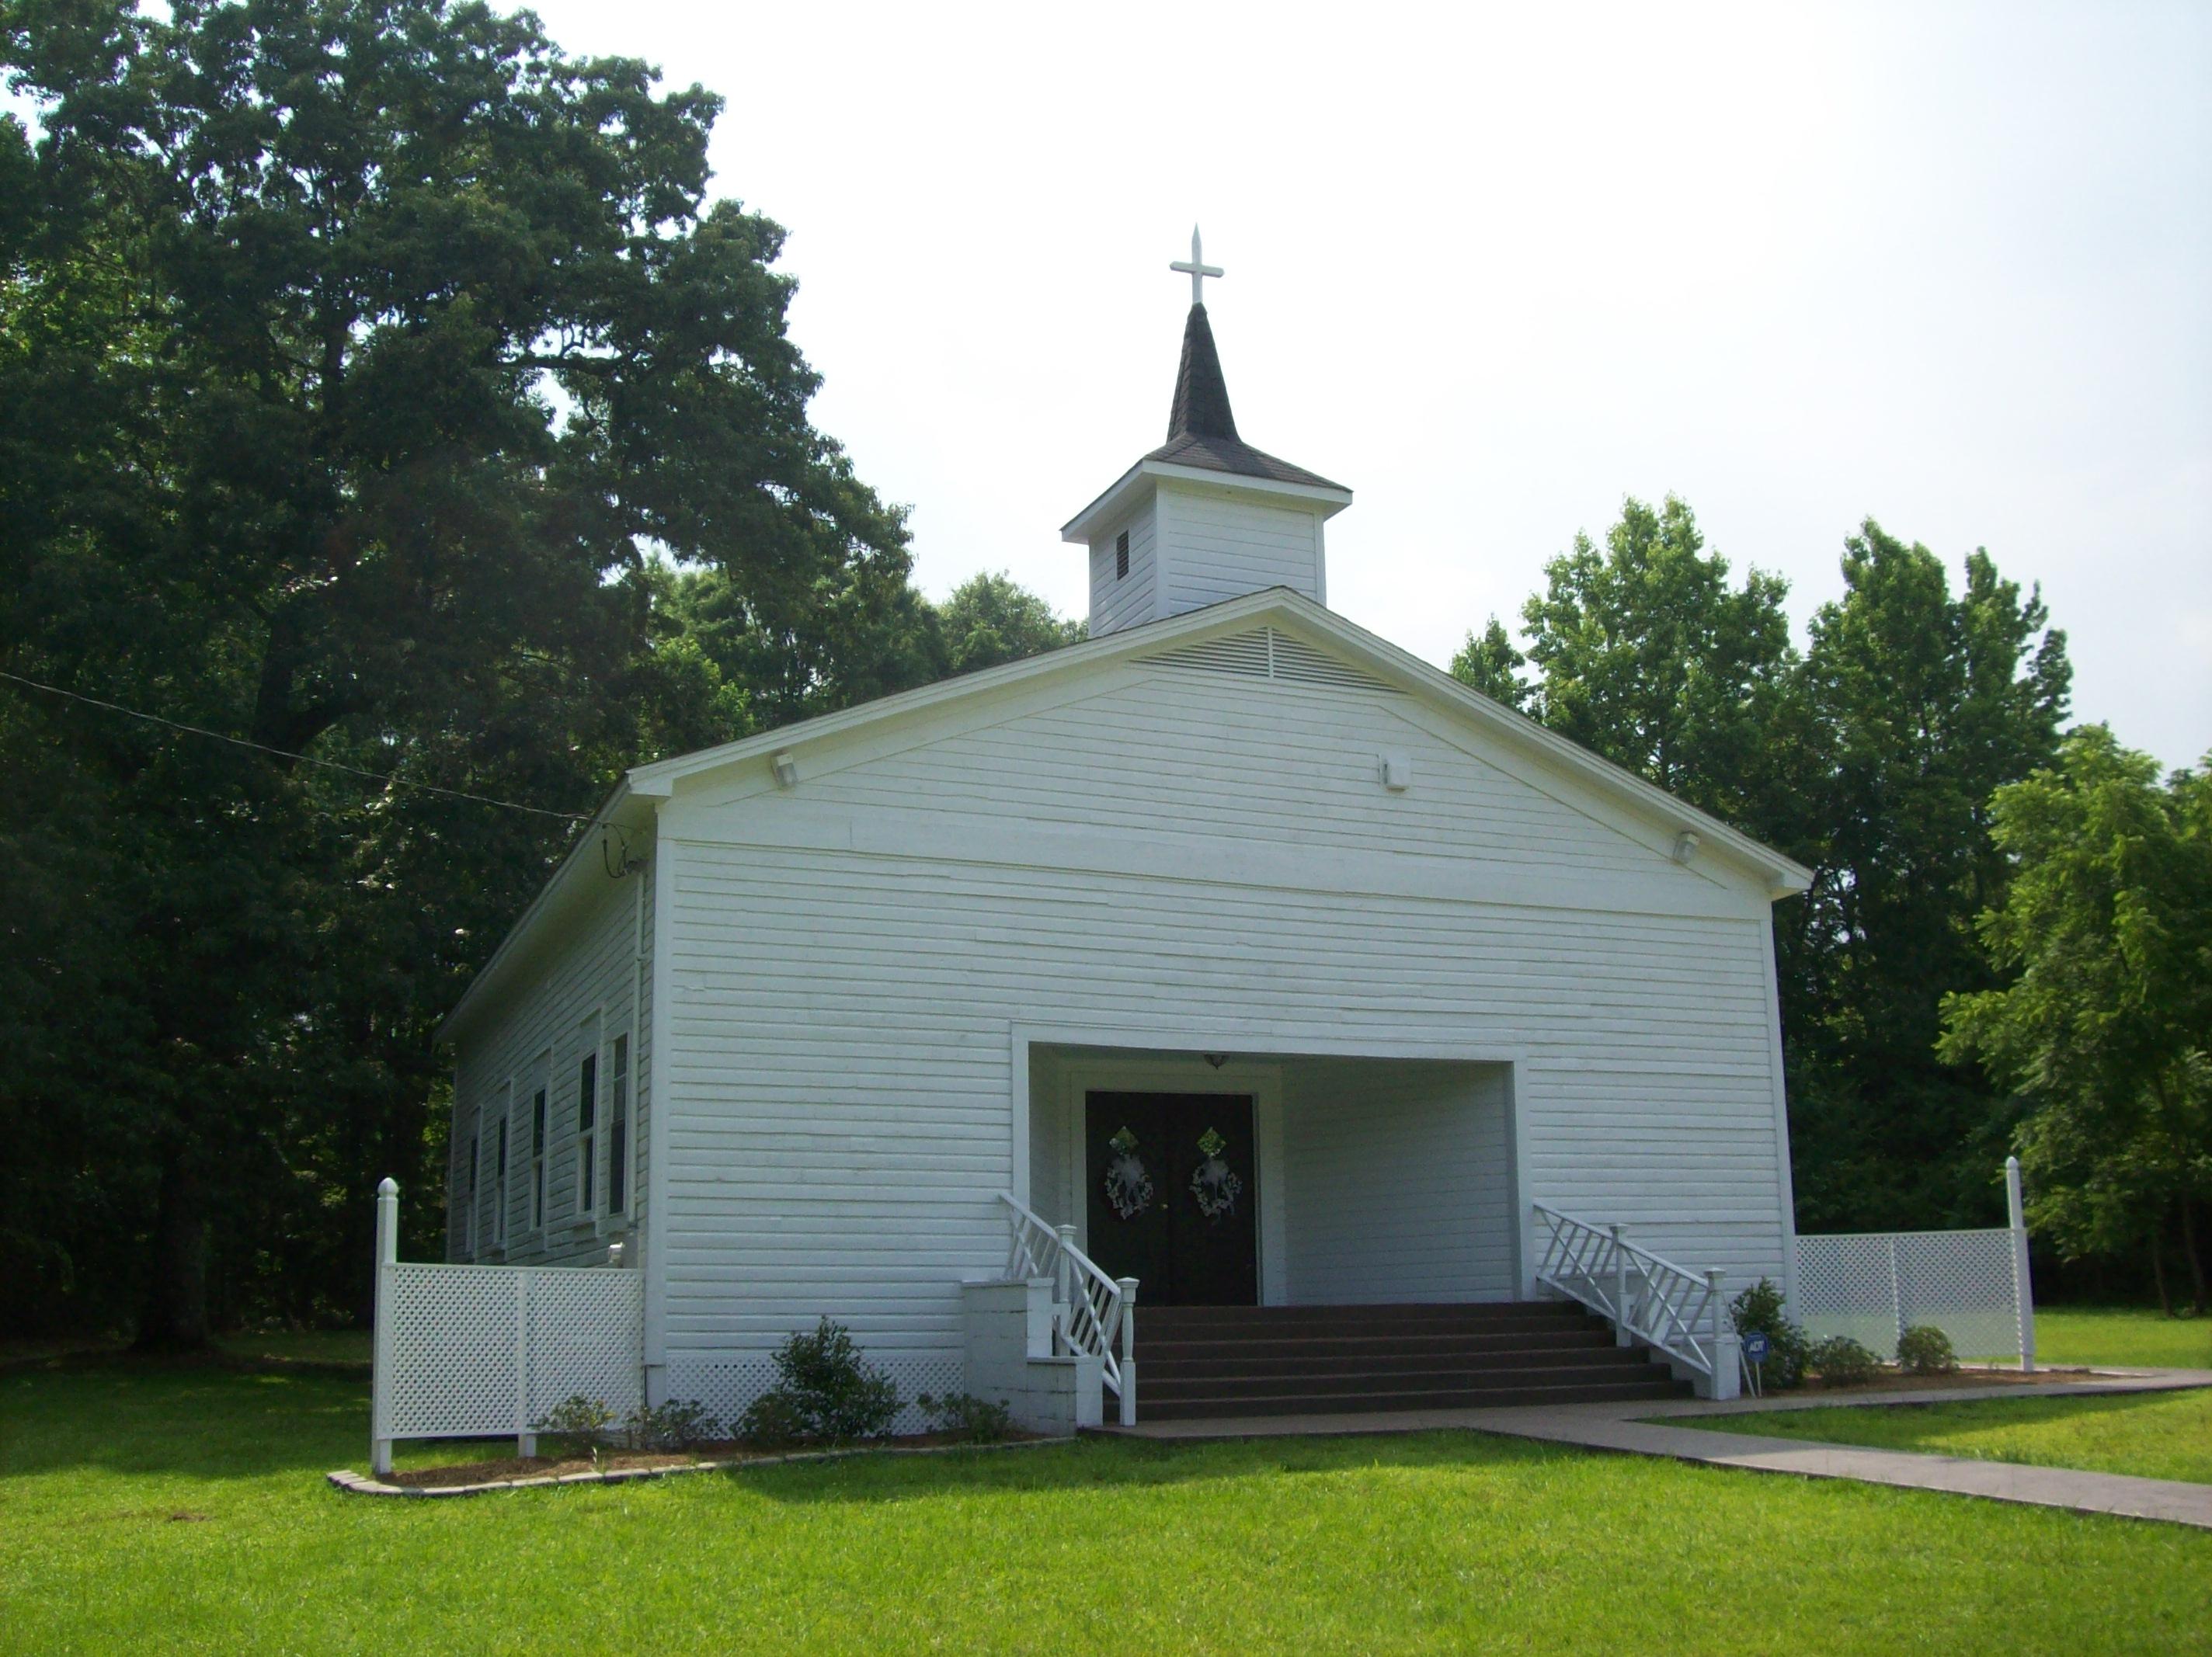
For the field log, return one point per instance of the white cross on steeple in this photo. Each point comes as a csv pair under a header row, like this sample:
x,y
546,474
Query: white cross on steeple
x,y
1198,269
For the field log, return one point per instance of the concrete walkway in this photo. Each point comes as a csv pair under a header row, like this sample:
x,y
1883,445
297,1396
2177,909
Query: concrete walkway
x,y
1630,1428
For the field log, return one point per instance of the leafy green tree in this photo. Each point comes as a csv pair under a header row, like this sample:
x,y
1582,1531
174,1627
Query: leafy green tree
x,y
355,353
1488,661
1646,654
989,621
2104,936
1924,703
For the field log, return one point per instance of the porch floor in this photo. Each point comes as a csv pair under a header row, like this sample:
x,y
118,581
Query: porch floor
x,y
1624,1426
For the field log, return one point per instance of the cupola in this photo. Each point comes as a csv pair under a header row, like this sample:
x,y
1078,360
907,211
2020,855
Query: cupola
x,y
1205,516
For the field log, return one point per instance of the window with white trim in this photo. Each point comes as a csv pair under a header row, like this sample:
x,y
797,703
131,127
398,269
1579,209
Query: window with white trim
x,y
618,1124
588,1113
498,1185
469,1198
537,1160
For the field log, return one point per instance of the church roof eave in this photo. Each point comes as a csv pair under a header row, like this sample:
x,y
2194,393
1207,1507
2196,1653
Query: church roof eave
x,y
1137,482
1782,876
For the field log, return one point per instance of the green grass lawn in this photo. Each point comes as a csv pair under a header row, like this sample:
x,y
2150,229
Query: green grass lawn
x,y
300,1346
2131,1337
2150,1434
149,1510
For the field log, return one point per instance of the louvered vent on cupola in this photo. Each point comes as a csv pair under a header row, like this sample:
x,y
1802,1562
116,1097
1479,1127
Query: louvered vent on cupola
x,y
1266,653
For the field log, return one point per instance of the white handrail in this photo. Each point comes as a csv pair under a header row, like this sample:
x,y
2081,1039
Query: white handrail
x,y
1092,1314
1669,1308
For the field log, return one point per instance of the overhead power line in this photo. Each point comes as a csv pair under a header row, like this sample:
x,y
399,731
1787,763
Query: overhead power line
x,y
286,753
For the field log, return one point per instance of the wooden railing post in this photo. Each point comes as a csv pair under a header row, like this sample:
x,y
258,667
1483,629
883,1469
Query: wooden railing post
x,y
1063,1284
1621,1336
1128,1288
388,1256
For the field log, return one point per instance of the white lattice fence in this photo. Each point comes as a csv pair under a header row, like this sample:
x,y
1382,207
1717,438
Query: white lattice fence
x,y
468,1351
1874,1286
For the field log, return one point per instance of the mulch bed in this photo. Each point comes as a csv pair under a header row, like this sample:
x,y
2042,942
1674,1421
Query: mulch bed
x,y
516,1470
1897,1383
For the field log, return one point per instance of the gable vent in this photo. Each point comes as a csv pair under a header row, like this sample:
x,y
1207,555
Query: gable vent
x,y
1265,653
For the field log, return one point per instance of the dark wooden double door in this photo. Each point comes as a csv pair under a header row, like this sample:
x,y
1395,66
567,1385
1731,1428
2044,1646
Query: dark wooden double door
x,y
1173,1191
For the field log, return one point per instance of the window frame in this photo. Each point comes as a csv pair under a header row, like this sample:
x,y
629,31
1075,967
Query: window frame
x,y
588,1137
468,1239
620,1088
539,1112
499,1187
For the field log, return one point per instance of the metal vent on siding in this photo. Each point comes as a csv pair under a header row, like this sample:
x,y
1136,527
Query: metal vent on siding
x,y
1265,653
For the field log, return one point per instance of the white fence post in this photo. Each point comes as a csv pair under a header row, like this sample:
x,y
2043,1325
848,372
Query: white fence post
x,y
1128,1288
1620,1335
380,1387
1896,1299
2023,1289
526,1442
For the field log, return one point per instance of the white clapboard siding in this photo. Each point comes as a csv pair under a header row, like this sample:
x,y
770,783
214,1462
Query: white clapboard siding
x,y
577,997
842,1002
1222,548
1399,1182
1193,751
1119,601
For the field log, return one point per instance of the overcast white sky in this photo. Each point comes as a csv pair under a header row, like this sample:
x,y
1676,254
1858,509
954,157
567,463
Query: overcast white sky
x,y
1496,267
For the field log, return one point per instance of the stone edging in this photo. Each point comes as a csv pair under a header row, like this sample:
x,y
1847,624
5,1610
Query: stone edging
x,y
362,1484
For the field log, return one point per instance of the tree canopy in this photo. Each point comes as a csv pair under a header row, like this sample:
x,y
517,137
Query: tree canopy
x,y
2104,935
381,386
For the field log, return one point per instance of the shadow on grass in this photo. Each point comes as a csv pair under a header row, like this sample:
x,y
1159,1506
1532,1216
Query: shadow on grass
x,y
1130,1463
204,1418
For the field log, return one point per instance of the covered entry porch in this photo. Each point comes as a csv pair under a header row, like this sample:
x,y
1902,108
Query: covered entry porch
x,y
1298,1232
1280,1179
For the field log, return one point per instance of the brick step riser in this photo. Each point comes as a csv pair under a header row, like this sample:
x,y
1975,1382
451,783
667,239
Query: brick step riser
x,y
1150,1328
1501,1312
1602,1358
1473,1348
1164,1390
1371,1403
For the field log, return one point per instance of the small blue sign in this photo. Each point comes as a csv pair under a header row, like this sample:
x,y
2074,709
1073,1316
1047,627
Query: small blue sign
x,y
1755,1347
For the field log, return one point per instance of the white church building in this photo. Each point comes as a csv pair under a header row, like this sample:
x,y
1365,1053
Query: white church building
x,y
1229,1014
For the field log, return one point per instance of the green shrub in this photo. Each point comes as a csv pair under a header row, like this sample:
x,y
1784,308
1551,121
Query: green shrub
x,y
964,1416
825,1391
671,1426
1924,1349
1788,1346
581,1422
1842,1361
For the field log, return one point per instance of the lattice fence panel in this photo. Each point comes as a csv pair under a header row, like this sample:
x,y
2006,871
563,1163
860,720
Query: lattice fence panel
x,y
460,1341
1870,1286
587,1335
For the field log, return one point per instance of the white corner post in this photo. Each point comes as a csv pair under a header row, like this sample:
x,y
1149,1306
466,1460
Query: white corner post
x,y
379,1390
1896,1298
1620,1335
2023,1288
1128,1288
1728,1361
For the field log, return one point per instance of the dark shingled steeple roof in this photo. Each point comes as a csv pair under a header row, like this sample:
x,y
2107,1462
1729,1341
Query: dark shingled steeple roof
x,y
1201,430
